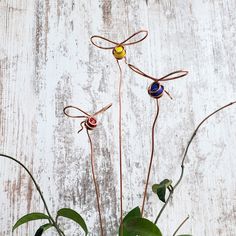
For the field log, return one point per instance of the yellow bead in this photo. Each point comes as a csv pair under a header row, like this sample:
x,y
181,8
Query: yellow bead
x,y
119,52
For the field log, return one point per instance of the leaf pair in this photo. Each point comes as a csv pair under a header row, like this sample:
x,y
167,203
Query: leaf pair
x,y
134,224
64,212
160,189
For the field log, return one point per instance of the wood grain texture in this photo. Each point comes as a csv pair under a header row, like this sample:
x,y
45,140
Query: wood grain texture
x,y
48,62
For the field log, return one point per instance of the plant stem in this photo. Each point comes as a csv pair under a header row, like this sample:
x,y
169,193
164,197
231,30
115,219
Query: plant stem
x,y
62,232
95,182
152,154
164,206
180,226
185,154
38,189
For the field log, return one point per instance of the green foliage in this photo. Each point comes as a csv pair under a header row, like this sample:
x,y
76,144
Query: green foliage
x,y
142,227
134,213
73,215
30,217
42,229
134,224
160,189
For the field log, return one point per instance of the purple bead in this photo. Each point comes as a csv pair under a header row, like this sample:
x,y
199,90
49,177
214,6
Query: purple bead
x,y
156,90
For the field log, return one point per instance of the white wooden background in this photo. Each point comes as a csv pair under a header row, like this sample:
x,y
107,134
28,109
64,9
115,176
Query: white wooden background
x,y
47,62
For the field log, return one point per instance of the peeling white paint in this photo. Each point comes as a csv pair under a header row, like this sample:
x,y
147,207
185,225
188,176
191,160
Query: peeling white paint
x,y
47,62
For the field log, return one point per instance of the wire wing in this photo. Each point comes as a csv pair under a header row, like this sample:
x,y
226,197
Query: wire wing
x,y
65,111
95,38
127,41
138,71
174,75
102,110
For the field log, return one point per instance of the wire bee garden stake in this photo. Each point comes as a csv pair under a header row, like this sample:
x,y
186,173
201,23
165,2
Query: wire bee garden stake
x,y
90,123
119,53
156,90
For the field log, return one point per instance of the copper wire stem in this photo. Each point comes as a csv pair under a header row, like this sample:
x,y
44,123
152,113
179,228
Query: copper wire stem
x,y
120,149
126,42
152,155
95,182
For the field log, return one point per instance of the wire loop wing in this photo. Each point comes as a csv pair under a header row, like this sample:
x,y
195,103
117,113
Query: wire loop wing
x,y
103,109
96,37
171,76
65,111
133,36
138,71
124,43
174,75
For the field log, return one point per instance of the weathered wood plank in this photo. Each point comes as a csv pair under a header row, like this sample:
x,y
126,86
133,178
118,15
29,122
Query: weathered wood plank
x,y
47,62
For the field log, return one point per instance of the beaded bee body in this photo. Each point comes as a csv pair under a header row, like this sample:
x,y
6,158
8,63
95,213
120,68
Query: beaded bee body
x,y
90,121
119,52
118,49
156,89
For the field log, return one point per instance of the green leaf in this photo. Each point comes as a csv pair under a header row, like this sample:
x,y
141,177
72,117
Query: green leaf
x,y
75,216
134,213
141,227
42,229
134,224
160,189
30,217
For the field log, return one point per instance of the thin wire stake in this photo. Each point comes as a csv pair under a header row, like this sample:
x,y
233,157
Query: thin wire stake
x,y
152,154
120,146
95,181
156,91
119,53
90,123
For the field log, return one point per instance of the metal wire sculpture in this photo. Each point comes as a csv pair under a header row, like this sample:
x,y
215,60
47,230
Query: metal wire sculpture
x,y
156,91
119,53
90,123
